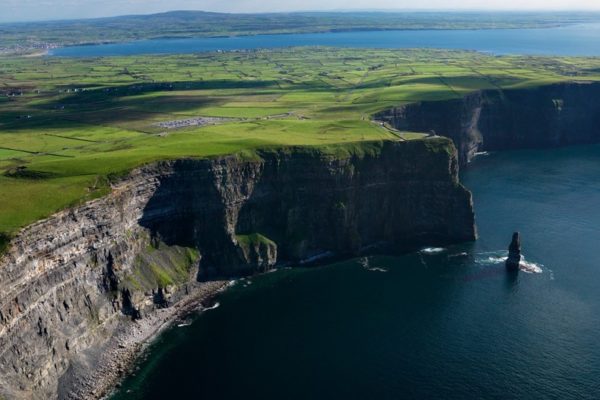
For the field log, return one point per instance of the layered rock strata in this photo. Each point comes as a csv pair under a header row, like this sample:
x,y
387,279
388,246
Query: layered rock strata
x,y
71,281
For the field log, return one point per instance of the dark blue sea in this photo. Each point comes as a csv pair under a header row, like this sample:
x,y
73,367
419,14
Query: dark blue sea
x,y
441,323
571,40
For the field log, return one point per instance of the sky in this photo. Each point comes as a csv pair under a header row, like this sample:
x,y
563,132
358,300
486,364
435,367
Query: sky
x,y
30,10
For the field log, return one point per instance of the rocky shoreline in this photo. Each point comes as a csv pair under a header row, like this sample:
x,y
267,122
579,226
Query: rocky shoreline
x,y
117,360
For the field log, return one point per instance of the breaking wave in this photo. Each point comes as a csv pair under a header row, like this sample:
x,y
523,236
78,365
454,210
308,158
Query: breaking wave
x,y
491,257
377,269
216,305
530,267
364,262
499,257
432,250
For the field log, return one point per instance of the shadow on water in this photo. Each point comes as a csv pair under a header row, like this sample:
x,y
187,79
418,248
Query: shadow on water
x,y
511,280
261,323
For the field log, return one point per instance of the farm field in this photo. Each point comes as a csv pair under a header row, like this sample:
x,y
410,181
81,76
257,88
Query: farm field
x,y
69,126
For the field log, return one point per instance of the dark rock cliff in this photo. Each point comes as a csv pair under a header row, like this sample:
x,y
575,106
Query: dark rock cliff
x,y
70,281
307,203
546,116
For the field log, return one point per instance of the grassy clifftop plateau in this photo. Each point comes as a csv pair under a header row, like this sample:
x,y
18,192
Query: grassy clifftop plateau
x,y
68,126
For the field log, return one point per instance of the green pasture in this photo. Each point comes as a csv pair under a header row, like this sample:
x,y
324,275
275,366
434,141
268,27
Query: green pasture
x,y
68,125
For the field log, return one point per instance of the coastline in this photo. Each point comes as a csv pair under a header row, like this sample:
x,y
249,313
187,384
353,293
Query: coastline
x,y
118,357
41,53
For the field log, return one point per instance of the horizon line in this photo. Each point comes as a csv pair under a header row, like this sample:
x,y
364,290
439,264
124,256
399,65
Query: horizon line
x,y
344,10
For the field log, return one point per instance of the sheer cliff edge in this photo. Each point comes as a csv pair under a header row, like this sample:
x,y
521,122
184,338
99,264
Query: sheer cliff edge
x,y
70,282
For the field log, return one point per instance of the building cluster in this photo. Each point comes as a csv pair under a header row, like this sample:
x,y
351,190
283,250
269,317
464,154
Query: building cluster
x,y
26,48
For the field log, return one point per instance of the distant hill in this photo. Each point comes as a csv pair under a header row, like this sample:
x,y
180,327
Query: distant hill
x,y
178,24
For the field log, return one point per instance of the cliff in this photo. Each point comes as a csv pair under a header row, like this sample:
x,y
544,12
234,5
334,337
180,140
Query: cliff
x,y
70,282
545,116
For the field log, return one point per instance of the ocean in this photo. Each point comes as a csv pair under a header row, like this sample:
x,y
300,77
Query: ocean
x,y
443,323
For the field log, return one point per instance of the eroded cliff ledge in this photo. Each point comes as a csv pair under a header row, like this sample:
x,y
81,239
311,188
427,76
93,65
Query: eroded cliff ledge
x,y
69,282
546,116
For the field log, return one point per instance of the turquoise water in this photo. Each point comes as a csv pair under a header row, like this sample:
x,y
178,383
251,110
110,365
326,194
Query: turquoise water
x,y
581,39
442,323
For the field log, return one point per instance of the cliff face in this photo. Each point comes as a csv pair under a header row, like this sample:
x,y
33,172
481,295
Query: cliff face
x,y
70,281
546,116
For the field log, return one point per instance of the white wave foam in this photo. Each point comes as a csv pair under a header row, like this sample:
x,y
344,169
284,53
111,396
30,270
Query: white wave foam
x,y
364,262
491,260
491,257
500,257
216,305
432,250
377,269
530,267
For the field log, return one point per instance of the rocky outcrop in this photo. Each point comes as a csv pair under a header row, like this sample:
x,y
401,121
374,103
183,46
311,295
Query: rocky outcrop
x,y
514,253
545,116
69,282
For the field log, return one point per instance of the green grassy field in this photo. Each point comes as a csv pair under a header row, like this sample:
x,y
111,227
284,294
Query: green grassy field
x,y
68,125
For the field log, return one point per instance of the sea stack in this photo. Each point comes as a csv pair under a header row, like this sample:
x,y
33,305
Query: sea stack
x,y
514,253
